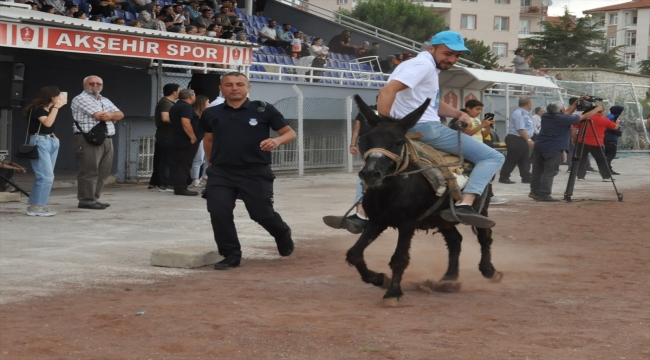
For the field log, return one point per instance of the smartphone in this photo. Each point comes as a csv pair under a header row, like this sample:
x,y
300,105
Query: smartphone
x,y
489,115
64,95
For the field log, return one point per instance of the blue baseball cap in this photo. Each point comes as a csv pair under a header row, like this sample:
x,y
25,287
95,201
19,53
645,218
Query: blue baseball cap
x,y
451,39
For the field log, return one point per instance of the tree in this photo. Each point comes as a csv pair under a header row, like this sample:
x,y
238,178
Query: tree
x,y
481,53
644,67
572,42
404,18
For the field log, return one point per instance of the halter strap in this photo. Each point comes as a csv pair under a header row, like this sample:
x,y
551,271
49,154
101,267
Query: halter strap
x,y
401,160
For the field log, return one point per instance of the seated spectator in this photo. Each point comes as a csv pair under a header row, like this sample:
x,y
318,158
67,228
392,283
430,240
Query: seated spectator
x,y
285,36
48,9
222,18
71,9
341,43
95,18
168,12
181,16
242,37
193,10
7,169
58,5
317,49
134,23
118,21
559,77
176,29
269,37
33,5
80,15
228,35
363,50
101,7
146,22
205,19
537,70
155,11
191,30
200,30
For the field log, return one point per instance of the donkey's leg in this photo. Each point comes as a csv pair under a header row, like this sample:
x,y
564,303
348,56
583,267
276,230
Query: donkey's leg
x,y
399,262
453,239
485,265
355,254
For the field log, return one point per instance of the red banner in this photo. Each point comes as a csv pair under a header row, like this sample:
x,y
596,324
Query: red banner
x,y
57,39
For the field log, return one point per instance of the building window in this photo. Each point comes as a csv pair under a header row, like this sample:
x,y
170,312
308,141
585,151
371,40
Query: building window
x,y
341,2
502,1
634,20
613,19
524,26
500,23
468,0
468,22
612,41
630,39
629,60
525,2
500,49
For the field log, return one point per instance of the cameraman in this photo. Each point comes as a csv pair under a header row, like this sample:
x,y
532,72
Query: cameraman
x,y
594,143
552,141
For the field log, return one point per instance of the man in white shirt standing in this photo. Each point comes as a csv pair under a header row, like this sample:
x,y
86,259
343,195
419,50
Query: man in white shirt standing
x,y
416,80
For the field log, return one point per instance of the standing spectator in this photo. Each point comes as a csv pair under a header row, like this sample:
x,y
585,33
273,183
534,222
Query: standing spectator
x,y
518,141
180,116
269,37
89,109
296,45
193,10
341,43
260,5
552,141
591,144
522,64
205,19
165,146
320,53
41,115
237,139
147,22
201,103
611,137
7,169
536,118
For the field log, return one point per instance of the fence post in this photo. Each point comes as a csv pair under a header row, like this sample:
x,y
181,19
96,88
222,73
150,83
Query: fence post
x,y
348,113
159,74
301,145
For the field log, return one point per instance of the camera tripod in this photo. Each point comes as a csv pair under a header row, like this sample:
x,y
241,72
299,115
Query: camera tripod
x,y
577,155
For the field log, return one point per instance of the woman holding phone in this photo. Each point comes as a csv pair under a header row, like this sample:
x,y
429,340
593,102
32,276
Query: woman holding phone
x,y
41,114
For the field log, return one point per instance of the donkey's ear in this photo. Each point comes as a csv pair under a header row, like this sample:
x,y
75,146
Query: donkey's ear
x,y
411,119
371,116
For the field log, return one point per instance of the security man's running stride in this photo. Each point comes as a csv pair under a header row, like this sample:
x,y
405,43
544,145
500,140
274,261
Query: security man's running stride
x,y
237,139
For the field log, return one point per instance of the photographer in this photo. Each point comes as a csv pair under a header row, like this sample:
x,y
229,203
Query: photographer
x,y
594,142
522,64
552,141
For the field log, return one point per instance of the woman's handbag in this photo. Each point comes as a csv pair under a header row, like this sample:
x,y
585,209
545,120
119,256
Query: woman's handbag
x,y
26,151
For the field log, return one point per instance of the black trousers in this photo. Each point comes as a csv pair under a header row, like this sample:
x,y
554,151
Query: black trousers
x,y
185,157
167,160
610,152
517,155
545,167
597,153
155,174
255,187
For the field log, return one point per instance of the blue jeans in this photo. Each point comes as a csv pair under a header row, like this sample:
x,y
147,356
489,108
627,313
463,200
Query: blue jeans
x,y
195,173
487,161
48,150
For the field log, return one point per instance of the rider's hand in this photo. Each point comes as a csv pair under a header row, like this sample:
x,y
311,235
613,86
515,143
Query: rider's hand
x,y
464,117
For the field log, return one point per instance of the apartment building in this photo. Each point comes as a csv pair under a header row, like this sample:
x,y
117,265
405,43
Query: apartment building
x,y
627,24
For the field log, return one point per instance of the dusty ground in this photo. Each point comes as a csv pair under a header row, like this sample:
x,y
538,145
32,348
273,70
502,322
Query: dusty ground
x,y
575,286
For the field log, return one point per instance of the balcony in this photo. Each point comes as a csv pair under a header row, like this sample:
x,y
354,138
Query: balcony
x,y
533,10
439,5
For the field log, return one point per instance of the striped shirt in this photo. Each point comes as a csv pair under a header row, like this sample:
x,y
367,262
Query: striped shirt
x,y
85,105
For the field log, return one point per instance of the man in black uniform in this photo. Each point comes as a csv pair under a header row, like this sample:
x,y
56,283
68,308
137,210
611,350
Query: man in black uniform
x,y
187,144
237,139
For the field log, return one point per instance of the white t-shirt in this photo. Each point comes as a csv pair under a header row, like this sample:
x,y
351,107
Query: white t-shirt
x,y
268,32
421,76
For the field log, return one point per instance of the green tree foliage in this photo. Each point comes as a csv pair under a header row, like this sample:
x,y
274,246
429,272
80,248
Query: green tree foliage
x,y
404,18
571,42
481,53
644,67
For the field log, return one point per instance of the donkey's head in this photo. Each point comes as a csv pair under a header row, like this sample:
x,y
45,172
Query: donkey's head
x,y
384,147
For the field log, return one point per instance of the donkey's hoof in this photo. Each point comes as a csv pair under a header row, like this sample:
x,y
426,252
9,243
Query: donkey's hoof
x,y
390,302
496,278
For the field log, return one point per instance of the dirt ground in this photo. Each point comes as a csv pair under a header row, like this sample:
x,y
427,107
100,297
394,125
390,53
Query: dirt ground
x,y
576,286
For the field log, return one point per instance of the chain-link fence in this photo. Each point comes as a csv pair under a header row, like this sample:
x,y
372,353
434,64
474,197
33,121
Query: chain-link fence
x,y
325,136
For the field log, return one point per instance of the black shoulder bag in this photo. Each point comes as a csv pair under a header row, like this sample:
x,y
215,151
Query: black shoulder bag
x,y
96,135
26,151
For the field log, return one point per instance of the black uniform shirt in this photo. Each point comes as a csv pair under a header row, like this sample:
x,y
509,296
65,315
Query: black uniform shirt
x,y
237,133
181,109
364,128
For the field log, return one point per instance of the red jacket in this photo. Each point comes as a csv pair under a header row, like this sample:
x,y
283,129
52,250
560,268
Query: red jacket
x,y
601,124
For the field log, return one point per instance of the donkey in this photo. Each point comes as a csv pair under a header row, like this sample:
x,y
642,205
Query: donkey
x,y
398,202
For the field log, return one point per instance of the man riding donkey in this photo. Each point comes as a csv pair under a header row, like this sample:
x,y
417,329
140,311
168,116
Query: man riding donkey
x,y
408,87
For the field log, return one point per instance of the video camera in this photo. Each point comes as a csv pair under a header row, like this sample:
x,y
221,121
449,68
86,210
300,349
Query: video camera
x,y
588,103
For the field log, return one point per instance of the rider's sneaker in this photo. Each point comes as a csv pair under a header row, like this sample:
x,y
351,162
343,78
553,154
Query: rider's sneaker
x,y
468,215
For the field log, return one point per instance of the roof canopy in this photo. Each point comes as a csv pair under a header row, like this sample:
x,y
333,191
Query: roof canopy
x,y
477,79
31,29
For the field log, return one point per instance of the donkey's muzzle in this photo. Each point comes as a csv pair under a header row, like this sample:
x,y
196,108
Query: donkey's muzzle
x,y
371,177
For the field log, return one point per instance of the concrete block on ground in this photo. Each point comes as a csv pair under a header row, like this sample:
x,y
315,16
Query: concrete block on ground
x,y
9,197
186,257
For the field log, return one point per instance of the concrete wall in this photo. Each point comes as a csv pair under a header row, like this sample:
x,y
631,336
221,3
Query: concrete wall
x,y
604,75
